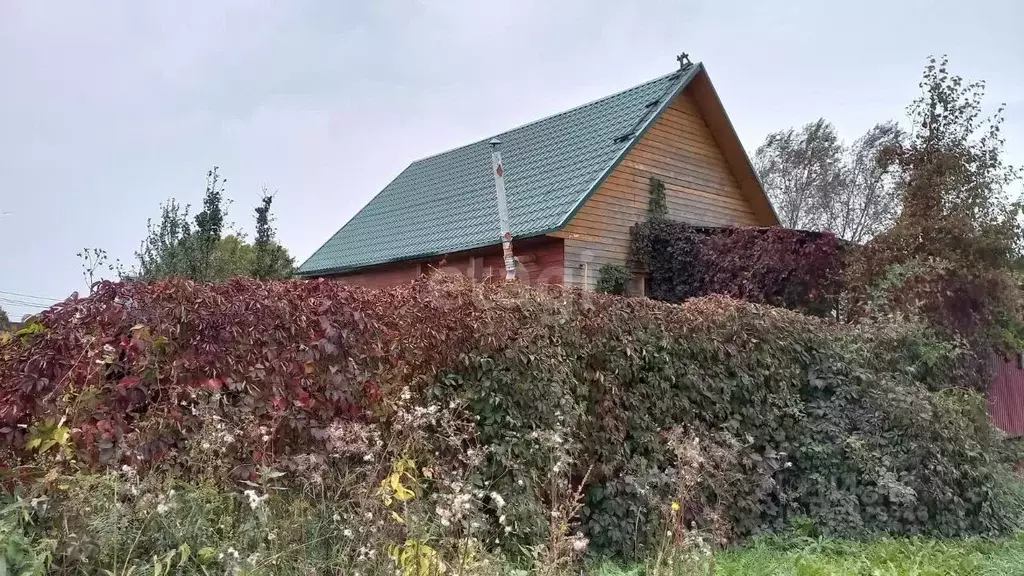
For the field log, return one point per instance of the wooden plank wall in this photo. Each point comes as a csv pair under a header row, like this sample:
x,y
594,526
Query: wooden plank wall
x,y
700,188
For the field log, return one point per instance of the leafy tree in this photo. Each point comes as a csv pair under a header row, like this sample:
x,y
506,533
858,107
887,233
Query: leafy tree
x,y
209,226
5,321
817,182
194,247
954,181
270,259
865,201
950,258
798,169
232,256
165,251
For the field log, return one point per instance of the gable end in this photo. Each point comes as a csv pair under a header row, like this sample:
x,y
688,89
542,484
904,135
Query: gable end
x,y
703,186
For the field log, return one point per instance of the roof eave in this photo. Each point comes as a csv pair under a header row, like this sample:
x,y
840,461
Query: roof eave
x,y
750,182
405,259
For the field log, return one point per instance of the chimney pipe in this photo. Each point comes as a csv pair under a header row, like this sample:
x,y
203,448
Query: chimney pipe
x,y
499,190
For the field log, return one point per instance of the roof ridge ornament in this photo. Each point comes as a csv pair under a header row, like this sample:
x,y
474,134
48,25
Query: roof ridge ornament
x,y
684,60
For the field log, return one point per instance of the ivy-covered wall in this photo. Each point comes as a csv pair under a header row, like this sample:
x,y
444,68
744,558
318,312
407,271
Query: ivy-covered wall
x,y
793,269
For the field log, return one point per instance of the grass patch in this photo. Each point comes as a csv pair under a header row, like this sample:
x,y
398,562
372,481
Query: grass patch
x,y
888,557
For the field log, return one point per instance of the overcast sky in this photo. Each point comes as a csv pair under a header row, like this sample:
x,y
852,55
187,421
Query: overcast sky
x,y
109,108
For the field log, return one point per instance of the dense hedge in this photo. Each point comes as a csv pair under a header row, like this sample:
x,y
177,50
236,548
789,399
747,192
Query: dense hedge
x,y
798,419
794,269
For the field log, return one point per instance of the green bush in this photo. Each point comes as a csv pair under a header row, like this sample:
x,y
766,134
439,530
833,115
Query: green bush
x,y
613,279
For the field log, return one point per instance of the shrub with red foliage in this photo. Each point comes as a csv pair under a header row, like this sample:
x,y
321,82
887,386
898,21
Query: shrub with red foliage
x,y
126,365
794,269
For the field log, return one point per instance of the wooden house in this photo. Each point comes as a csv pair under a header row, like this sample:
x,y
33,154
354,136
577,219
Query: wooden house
x,y
576,182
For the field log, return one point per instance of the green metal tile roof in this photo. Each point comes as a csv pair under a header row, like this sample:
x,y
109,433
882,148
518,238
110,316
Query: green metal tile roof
x,y
446,203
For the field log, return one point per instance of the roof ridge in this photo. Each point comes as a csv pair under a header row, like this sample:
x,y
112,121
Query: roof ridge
x,y
550,116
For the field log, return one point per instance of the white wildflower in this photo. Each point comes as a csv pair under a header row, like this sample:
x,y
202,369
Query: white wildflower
x,y
579,543
498,500
255,499
336,518
347,533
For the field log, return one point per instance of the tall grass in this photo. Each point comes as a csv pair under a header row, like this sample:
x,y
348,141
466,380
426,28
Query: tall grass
x,y
886,557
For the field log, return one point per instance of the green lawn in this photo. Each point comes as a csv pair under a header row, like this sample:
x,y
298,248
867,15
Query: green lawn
x,y
917,557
